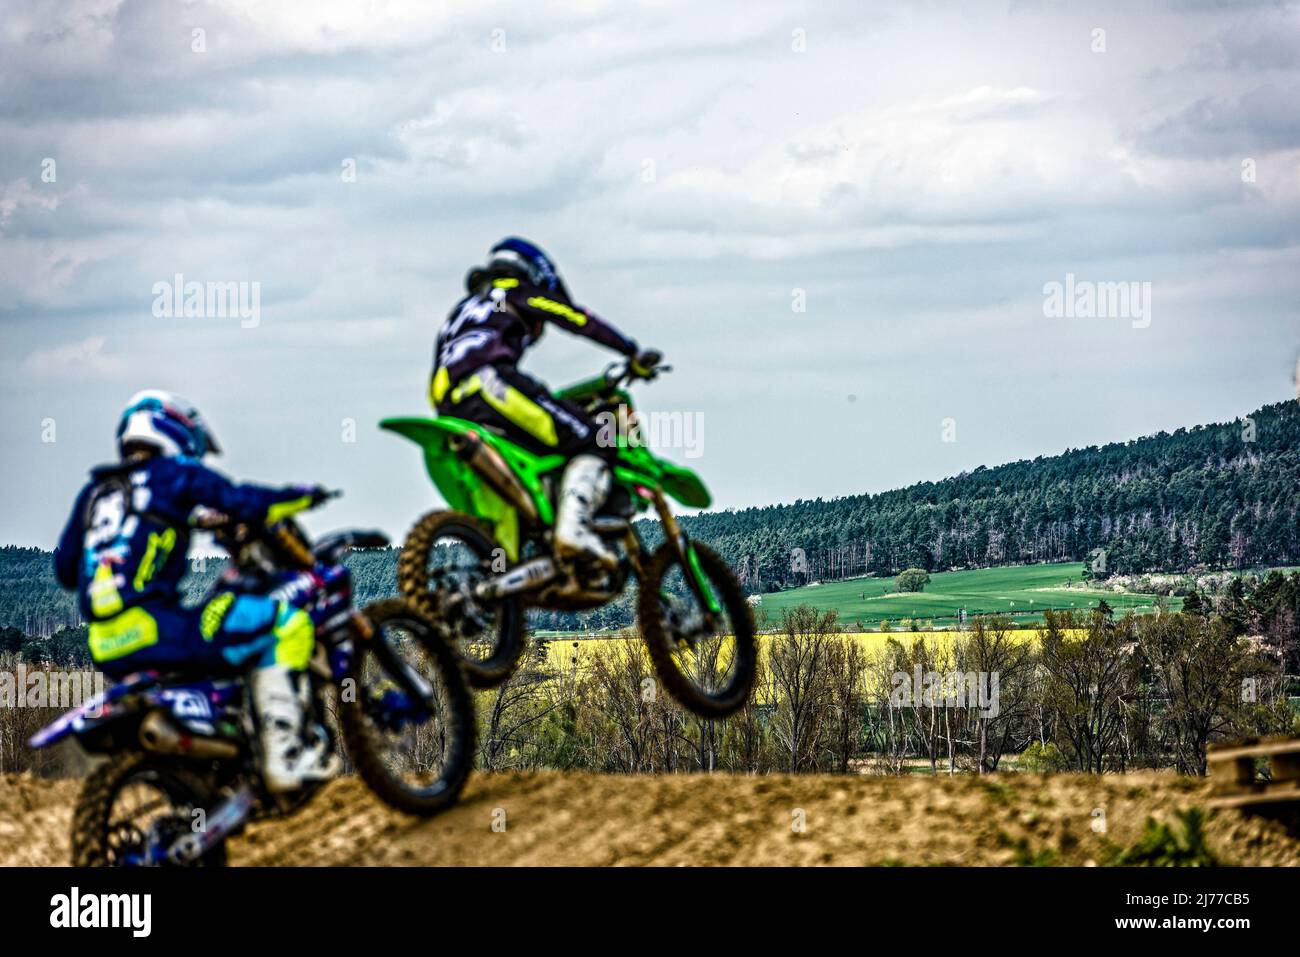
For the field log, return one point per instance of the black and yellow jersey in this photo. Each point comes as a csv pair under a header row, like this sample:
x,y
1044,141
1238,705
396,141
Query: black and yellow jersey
x,y
497,323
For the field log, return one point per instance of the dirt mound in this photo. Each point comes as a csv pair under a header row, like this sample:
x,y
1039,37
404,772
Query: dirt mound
x,y
585,819
35,815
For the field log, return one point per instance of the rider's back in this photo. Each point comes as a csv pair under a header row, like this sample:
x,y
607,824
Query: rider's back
x,y
127,538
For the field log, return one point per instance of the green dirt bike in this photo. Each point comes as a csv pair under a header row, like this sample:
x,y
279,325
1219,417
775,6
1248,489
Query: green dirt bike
x,y
478,567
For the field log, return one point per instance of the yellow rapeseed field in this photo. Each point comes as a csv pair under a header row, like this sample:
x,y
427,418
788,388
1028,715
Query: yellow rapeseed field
x,y
563,653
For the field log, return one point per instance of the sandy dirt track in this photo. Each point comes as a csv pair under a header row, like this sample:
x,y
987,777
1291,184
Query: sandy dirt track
x,y
584,819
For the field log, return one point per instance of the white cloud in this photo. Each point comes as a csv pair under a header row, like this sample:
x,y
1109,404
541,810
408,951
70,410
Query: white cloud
x,y
86,358
920,172
19,195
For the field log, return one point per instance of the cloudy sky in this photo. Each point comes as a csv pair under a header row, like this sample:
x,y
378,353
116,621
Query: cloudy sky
x,y
837,224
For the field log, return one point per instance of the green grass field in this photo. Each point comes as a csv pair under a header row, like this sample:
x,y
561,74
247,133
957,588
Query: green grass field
x,y
1023,591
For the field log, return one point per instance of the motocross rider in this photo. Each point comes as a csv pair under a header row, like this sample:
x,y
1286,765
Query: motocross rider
x,y
476,377
124,550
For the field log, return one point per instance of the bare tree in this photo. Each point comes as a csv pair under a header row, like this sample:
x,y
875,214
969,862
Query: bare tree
x,y
1006,664
512,709
846,671
1085,678
615,708
745,744
1203,672
798,662
919,694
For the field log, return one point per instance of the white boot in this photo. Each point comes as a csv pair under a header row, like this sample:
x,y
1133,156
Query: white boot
x,y
286,763
582,491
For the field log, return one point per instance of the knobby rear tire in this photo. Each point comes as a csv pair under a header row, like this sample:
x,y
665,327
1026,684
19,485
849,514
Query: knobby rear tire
x,y
413,582
90,819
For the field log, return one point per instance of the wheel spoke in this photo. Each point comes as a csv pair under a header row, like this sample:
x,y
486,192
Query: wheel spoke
x,y
706,658
410,729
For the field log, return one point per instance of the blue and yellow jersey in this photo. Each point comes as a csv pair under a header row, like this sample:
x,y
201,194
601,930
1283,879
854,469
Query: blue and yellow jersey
x,y
127,538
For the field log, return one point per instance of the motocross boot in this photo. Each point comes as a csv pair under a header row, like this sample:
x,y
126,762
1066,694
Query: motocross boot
x,y
290,758
582,492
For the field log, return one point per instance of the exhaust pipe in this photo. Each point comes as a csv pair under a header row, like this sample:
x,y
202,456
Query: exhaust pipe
x,y
525,577
488,463
158,734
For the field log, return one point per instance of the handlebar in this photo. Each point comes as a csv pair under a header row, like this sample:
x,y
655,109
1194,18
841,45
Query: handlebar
x,y
284,538
602,388
623,372
209,519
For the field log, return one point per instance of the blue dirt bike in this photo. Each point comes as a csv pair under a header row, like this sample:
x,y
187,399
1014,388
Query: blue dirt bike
x,y
182,770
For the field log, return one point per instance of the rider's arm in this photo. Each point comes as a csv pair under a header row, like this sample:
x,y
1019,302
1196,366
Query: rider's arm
x,y
67,556
244,502
575,319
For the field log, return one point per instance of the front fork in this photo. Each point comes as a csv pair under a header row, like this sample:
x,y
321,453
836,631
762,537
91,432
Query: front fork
x,y
413,684
694,574
538,571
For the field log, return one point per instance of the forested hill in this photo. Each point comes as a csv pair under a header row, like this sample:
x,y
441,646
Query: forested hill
x,y
1220,496
32,602
1223,495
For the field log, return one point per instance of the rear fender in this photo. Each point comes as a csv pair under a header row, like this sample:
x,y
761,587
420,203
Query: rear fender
x,y
95,712
462,487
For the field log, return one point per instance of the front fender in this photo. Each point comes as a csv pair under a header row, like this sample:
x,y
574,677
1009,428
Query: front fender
x,y
641,466
685,486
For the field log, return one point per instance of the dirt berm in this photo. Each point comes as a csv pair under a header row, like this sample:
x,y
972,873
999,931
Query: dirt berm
x,y
586,819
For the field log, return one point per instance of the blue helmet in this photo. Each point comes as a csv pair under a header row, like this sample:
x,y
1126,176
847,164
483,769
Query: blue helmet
x,y
166,422
523,260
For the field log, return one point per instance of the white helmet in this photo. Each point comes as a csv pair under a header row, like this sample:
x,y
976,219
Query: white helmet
x,y
165,422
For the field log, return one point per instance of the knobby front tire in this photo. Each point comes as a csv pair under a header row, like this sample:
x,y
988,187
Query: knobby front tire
x,y
379,760
665,648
